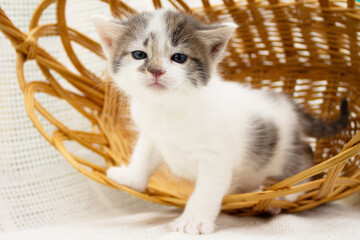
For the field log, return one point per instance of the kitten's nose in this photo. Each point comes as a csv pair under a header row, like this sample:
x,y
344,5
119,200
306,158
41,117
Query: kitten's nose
x,y
156,72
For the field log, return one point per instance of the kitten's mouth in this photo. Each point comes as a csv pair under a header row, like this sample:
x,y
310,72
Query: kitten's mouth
x,y
156,86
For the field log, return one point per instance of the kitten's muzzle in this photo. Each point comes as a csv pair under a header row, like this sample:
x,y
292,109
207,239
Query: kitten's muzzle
x,y
155,81
156,86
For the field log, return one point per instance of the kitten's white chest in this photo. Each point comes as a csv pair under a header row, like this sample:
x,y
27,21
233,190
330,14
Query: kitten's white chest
x,y
160,126
174,136
179,160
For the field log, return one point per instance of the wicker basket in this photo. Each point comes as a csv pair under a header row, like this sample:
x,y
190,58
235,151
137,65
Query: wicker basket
x,y
307,49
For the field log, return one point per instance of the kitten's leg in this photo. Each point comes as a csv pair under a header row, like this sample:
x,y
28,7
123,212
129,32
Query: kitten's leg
x,y
298,159
144,162
204,204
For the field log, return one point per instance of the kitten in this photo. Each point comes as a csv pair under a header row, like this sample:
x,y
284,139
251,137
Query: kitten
x,y
224,136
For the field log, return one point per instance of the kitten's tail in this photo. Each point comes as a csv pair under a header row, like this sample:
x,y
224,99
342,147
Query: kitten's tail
x,y
315,127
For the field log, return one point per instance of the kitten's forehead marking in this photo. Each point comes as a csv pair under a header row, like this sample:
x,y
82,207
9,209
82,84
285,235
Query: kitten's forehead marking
x,y
154,51
156,29
155,41
146,42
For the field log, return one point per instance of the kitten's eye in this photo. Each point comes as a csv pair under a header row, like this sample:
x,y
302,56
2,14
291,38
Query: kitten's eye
x,y
179,57
138,55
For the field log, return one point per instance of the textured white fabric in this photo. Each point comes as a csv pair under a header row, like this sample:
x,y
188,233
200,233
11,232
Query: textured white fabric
x,y
44,197
331,222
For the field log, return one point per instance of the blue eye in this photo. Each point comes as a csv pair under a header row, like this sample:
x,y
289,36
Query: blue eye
x,y
138,55
179,57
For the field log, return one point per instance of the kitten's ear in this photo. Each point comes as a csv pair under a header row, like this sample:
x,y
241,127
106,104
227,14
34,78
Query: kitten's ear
x,y
108,32
216,39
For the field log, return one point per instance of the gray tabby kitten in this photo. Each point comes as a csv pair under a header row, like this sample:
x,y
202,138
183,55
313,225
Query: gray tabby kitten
x,y
222,135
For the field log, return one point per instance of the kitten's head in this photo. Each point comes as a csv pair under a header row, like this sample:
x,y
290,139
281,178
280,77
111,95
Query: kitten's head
x,y
162,52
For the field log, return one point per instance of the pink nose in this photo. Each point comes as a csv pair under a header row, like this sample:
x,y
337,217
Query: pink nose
x,y
156,72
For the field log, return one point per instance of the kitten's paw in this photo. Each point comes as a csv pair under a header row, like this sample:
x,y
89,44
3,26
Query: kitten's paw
x,y
290,198
126,177
192,226
274,211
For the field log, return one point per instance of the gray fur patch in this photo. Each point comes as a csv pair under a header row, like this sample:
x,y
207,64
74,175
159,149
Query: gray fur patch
x,y
146,42
117,62
298,158
264,139
198,71
133,27
182,30
143,68
316,127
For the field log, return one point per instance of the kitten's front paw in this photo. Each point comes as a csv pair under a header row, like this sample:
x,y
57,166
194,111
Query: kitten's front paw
x,y
126,177
192,225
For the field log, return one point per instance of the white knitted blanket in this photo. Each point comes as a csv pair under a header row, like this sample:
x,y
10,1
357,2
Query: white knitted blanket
x,y
324,223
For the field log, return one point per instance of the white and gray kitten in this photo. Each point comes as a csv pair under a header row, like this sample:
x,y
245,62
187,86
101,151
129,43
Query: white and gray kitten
x,y
224,136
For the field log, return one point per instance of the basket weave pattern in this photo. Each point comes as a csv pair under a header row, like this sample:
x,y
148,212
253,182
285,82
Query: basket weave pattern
x,y
305,48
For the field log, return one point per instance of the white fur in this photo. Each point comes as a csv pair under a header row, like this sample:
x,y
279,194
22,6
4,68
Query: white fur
x,y
200,132
202,137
